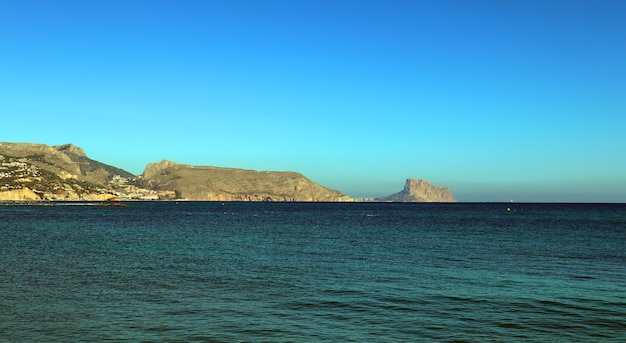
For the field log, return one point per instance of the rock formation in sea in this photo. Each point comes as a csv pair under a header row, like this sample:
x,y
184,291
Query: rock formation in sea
x,y
230,184
418,190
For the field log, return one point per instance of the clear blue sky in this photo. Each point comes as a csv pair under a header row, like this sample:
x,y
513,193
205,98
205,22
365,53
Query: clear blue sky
x,y
499,100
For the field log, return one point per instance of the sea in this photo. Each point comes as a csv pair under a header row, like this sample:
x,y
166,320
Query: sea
x,y
313,272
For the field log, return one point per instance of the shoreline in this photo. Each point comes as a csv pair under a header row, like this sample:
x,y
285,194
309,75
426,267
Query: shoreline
x,y
122,203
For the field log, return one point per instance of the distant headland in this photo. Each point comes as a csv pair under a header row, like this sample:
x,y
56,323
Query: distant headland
x,y
35,172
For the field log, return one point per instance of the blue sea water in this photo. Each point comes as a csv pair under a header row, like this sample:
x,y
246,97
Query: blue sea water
x,y
313,272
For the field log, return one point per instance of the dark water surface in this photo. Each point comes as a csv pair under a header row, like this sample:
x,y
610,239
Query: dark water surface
x,y
308,272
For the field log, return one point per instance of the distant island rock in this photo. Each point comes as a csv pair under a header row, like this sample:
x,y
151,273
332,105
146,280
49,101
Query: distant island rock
x,y
418,190
230,184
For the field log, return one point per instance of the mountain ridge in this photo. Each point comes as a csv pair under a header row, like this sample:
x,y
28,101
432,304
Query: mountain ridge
x,y
30,171
232,184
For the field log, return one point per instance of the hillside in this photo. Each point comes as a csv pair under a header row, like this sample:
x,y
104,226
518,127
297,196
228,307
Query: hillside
x,y
63,172
65,159
229,184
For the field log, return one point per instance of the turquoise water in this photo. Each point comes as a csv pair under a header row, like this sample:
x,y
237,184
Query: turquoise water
x,y
309,272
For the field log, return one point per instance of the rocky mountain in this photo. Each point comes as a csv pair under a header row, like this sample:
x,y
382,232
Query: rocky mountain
x,y
420,191
65,159
229,184
63,172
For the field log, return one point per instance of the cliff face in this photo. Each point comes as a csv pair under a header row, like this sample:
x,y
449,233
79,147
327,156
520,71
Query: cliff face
x,y
19,195
420,191
229,184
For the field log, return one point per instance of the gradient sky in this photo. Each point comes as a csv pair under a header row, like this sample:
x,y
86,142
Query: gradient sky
x,y
497,100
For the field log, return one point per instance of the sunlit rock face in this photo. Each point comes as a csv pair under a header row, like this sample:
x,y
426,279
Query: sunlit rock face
x,y
62,172
418,190
230,184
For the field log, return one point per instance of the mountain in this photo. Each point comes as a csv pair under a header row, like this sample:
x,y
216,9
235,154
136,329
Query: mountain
x,y
420,191
65,159
62,172
229,184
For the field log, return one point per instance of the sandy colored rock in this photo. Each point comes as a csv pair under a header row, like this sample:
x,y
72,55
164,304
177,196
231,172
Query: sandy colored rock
x,y
64,172
99,197
230,184
419,190
19,194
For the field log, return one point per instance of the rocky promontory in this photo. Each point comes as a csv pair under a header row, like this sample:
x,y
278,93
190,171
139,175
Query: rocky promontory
x,y
230,184
31,172
418,190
